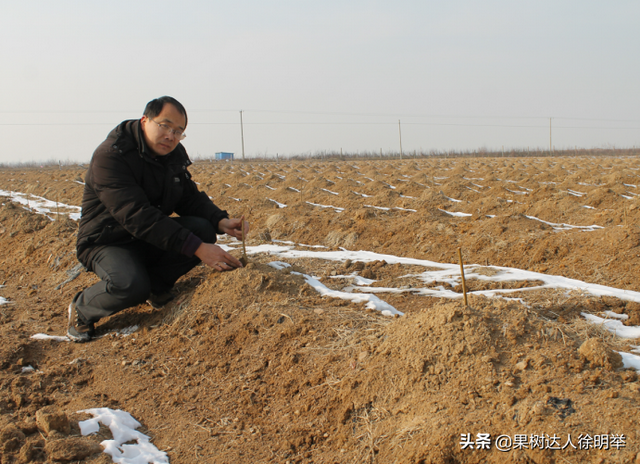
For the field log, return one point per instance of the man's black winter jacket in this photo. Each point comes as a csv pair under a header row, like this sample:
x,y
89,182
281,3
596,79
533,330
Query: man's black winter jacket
x,y
129,195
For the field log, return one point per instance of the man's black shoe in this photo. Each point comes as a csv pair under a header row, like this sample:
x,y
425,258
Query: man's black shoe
x,y
78,331
159,300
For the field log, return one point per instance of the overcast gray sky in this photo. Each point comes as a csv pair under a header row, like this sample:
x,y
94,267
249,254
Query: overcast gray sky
x,y
321,75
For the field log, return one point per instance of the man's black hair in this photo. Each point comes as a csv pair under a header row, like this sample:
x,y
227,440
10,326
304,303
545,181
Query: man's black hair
x,y
154,107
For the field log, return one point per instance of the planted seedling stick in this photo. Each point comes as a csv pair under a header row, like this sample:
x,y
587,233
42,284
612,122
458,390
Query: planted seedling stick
x,y
244,260
58,212
626,224
464,284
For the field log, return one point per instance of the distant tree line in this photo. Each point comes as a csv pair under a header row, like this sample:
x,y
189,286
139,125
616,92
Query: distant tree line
x,y
376,155
432,154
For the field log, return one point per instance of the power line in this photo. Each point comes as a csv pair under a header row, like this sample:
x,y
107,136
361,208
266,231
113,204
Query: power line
x,y
297,123
333,113
70,112
414,115
58,124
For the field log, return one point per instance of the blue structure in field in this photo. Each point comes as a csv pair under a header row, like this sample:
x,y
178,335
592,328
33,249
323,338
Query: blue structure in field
x,y
223,155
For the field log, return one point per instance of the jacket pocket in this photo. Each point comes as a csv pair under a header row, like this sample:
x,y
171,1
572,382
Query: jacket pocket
x,y
111,234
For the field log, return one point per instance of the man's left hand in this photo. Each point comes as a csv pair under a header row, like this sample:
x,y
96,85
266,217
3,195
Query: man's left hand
x,y
233,227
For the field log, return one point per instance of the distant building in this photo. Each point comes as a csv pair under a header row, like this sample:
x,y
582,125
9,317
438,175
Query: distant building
x,y
223,155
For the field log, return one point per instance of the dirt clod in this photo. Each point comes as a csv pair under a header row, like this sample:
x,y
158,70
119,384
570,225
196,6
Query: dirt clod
x,y
600,355
71,449
51,419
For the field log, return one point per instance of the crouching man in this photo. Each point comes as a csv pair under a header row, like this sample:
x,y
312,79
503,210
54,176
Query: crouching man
x,y
137,179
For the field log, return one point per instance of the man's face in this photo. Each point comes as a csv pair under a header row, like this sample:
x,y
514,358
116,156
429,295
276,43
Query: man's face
x,y
159,139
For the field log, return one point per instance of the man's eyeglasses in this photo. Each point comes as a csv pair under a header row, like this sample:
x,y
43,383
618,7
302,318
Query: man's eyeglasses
x,y
165,129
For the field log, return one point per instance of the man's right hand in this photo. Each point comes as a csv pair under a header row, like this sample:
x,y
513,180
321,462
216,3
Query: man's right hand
x,y
216,258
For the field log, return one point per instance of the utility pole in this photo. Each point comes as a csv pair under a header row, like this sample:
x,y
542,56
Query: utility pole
x,y
550,136
400,135
242,134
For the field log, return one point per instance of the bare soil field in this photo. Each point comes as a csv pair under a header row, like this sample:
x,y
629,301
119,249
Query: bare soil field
x,y
257,365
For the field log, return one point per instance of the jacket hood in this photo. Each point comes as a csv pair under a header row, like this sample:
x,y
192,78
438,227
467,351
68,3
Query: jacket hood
x,y
128,135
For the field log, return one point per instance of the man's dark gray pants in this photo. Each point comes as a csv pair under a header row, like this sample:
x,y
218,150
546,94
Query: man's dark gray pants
x,y
131,272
